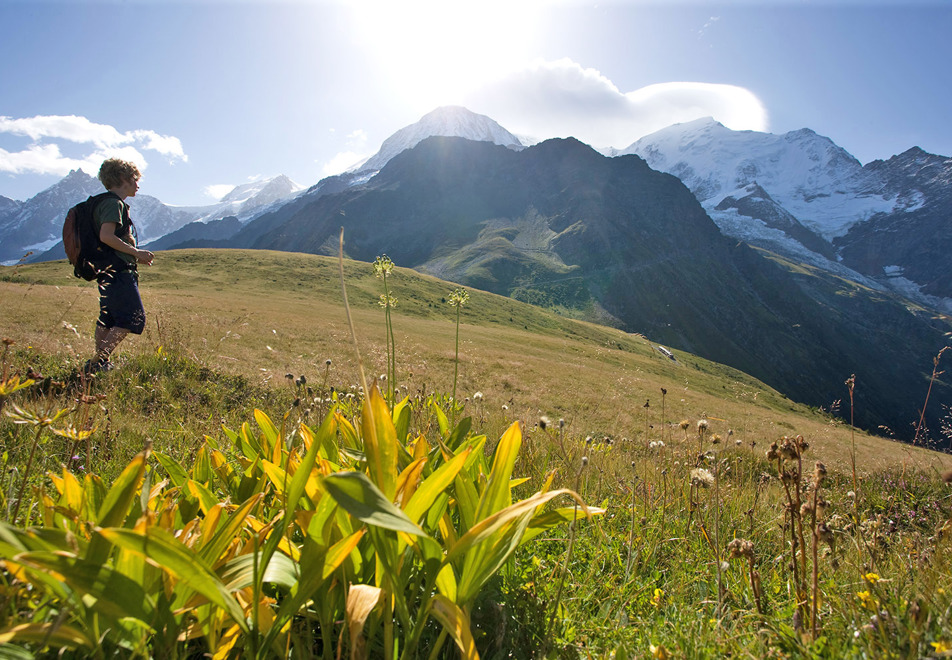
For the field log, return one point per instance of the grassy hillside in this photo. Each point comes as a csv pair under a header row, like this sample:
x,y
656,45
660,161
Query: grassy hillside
x,y
730,521
262,314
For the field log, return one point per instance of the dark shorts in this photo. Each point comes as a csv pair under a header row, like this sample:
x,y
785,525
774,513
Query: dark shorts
x,y
119,303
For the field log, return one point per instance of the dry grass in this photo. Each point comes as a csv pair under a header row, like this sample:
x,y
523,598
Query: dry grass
x,y
264,314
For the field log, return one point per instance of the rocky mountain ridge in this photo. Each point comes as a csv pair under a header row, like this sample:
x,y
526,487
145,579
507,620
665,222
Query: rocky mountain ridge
x,y
883,224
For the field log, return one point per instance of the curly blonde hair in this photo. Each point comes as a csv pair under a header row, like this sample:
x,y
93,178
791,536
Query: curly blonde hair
x,y
113,172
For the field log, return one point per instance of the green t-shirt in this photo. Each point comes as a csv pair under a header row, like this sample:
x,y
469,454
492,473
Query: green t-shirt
x,y
112,209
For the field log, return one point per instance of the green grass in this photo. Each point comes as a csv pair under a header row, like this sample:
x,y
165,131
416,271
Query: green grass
x,y
227,327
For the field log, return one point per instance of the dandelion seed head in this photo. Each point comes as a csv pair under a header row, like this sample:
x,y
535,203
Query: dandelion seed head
x,y
544,422
701,477
741,548
477,397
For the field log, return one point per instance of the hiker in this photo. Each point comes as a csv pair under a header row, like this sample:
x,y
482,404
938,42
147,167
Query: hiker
x,y
120,307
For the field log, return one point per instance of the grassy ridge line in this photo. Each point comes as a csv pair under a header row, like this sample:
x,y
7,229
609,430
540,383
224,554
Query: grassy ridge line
x,y
262,314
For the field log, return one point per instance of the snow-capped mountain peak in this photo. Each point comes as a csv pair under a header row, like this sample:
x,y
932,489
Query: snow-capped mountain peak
x,y
796,169
451,121
270,189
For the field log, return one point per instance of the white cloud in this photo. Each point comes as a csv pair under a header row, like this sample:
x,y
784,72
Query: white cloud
x,y
562,99
356,151
217,191
41,158
48,133
342,162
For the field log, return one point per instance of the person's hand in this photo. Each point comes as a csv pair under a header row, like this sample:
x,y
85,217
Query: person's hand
x,y
144,257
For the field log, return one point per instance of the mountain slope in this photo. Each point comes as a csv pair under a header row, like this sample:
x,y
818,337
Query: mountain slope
x,y
560,225
881,224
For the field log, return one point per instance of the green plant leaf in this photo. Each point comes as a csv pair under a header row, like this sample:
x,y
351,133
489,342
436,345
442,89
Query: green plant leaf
x,y
497,495
441,419
545,521
177,473
203,494
169,554
401,419
226,533
202,469
326,436
105,590
317,564
491,541
239,572
120,497
380,443
115,508
460,433
431,487
269,432
357,495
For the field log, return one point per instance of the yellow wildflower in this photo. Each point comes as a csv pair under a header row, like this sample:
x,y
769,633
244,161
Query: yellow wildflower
x,y
657,598
867,600
659,652
942,647
872,578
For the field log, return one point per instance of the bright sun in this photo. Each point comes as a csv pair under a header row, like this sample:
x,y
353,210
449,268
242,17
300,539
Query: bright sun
x,y
437,50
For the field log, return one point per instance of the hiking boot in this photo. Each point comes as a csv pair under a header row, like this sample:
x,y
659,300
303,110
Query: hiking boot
x,y
93,367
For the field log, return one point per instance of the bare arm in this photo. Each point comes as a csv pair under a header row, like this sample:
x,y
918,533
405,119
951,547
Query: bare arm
x,y
108,236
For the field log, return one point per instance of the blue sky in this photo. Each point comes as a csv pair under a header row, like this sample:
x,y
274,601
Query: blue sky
x,y
209,94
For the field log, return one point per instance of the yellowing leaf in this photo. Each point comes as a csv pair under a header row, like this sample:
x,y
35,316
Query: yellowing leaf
x,y
456,624
48,633
380,443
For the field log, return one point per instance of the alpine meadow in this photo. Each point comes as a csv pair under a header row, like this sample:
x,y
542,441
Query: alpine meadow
x,y
309,456
437,330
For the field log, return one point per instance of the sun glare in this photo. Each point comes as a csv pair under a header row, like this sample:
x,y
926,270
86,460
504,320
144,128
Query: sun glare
x,y
437,50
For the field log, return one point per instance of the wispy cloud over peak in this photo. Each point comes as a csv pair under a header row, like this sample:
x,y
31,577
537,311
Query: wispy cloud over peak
x,y
561,99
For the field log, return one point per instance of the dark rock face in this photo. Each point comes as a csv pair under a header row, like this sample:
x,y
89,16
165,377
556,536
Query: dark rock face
x,y
761,206
915,243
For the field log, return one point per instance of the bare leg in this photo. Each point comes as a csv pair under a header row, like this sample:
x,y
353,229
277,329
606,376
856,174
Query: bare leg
x,y
106,341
